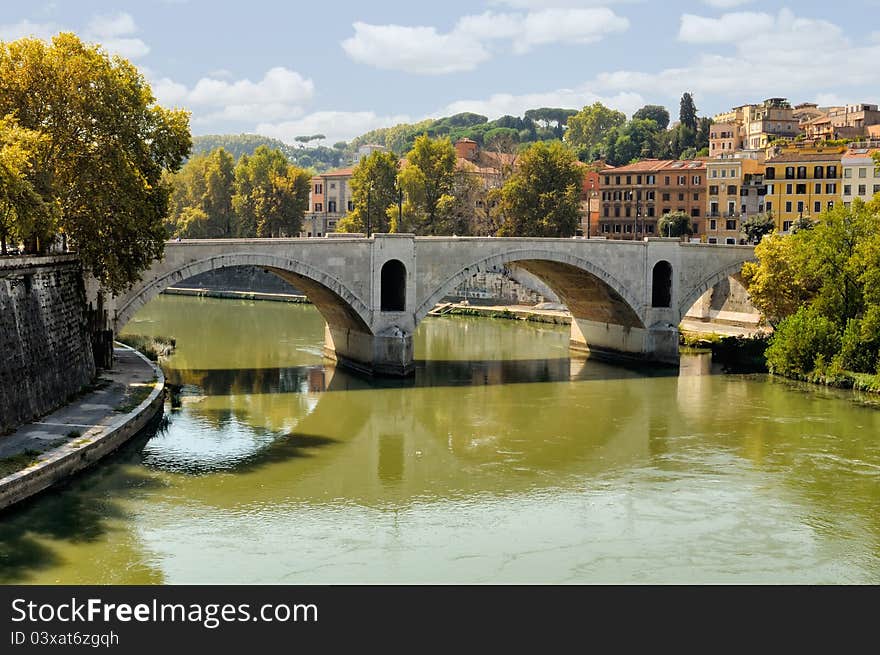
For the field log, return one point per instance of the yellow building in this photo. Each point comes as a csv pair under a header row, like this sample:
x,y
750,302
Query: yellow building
x,y
736,190
802,184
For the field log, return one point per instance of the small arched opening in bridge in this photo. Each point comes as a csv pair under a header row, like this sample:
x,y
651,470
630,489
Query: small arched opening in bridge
x,y
393,282
661,284
721,297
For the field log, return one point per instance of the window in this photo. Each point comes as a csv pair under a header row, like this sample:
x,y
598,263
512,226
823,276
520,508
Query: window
x,y
770,189
713,224
770,173
818,187
696,180
638,179
801,189
769,206
650,212
801,172
319,207
713,239
606,212
666,210
682,180
333,185
731,189
830,204
876,188
617,228
817,206
847,173
319,188
617,212
863,172
789,172
832,172
695,212
649,179
714,172
627,211
732,172
788,189
331,206
607,183
681,196
713,190
800,206
786,226
731,224
606,228
847,189
695,227
617,179
666,180
331,223
730,241
818,171
350,205
788,206
650,195
651,228
665,196
862,189
628,228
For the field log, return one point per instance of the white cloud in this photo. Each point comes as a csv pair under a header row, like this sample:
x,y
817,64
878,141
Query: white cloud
x,y
335,125
413,49
116,34
727,4
118,25
278,95
425,50
26,28
559,4
782,55
726,28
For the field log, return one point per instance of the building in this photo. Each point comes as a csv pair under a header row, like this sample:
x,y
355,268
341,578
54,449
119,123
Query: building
x,y
753,127
591,202
330,199
488,169
801,183
861,174
366,150
635,196
735,190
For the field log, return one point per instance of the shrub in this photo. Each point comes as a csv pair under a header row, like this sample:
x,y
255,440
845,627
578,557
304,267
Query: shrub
x,y
859,350
799,341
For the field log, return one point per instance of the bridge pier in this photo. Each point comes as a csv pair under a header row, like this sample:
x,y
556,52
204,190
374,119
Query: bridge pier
x,y
388,354
610,341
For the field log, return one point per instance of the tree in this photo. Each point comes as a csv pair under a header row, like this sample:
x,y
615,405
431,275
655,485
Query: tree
x,y
428,179
756,226
219,181
280,203
251,174
542,197
687,113
23,213
374,191
107,146
655,113
588,127
634,140
819,287
674,224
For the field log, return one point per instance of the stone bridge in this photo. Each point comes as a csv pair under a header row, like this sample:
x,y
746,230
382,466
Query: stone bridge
x,y
626,298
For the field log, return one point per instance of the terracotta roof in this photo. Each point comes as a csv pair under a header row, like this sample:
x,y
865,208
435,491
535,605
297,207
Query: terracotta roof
x,y
642,166
339,172
861,153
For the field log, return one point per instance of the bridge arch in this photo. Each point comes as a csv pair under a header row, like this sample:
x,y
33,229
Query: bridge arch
x,y
692,295
339,306
589,291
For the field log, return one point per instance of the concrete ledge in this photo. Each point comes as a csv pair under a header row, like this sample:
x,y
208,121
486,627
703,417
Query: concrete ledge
x,y
61,463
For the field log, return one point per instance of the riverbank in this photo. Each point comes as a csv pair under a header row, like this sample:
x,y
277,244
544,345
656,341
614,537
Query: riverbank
x,y
236,295
118,405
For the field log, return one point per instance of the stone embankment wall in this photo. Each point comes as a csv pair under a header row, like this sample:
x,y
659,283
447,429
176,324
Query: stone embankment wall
x,y
45,349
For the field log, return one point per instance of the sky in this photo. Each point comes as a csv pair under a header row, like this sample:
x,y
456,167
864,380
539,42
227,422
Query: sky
x,y
285,69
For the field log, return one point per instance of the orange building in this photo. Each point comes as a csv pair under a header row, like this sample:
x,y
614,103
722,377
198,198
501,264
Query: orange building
x,y
635,196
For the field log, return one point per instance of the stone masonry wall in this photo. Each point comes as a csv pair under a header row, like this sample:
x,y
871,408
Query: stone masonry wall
x,y
45,350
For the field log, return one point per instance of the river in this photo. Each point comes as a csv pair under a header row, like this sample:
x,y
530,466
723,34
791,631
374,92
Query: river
x,y
504,459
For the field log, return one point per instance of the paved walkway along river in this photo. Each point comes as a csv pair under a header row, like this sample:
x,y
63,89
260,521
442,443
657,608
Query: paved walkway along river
x,y
96,423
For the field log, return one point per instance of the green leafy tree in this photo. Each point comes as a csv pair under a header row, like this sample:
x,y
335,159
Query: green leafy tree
x,y
108,145
655,113
23,213
633,140
374,191
687,113
801,341
206,182
428,179
756,226
674,224
542,197
252,174
589,127
279,204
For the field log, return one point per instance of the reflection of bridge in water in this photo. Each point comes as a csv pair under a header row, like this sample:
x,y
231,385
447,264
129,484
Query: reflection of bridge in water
x,y
626,298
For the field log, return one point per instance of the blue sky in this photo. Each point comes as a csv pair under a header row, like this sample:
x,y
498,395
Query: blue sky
x,y
289,68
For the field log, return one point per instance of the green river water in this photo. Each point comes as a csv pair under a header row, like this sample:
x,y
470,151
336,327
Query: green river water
x,y
504,460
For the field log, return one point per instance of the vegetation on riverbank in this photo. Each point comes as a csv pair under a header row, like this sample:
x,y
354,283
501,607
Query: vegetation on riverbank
x,y
820,289
153,348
